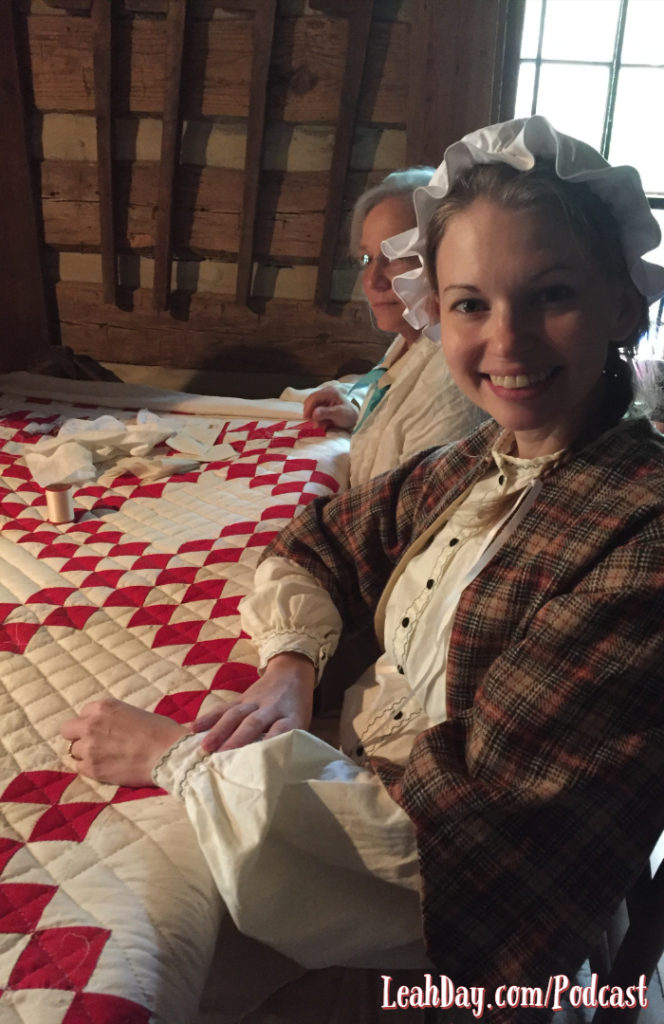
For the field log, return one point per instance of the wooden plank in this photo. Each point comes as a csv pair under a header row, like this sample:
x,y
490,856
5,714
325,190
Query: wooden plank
x,y
359,28
202,8
204,331
102,34
305,81
456,62
24,325
70,5
207,206
263,35
170,151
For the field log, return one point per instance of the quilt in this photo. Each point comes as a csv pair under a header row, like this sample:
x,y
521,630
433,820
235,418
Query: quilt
x,y
108,913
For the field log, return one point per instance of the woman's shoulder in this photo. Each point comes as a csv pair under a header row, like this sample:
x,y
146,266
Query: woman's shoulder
x,y
634,450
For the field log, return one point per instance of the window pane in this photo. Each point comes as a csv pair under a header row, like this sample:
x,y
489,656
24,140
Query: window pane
x,y
531,28
573,98
644,32
580,29
635,138
524,90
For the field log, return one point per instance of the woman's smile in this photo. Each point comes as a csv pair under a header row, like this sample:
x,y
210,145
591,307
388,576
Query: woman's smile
x,y
521,385
526,322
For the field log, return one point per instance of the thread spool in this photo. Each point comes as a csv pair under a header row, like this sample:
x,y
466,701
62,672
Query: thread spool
x,y
60,503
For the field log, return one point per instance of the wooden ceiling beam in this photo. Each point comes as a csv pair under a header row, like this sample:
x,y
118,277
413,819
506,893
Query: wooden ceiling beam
x,y
359,30
263,34
171,132
102,36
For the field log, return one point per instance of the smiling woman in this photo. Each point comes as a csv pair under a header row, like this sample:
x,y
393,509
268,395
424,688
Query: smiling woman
x,y
527,321
502,764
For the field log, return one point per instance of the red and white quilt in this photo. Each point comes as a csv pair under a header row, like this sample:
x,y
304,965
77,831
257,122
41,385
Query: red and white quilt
x,y
108,914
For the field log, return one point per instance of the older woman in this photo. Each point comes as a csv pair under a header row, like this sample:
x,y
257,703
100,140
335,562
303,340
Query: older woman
x,y
506,769
410,401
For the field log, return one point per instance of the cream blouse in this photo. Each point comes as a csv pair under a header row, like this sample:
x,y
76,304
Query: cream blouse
x,y
310,853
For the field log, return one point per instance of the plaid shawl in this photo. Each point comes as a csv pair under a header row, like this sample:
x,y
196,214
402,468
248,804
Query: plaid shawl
x,y
538,801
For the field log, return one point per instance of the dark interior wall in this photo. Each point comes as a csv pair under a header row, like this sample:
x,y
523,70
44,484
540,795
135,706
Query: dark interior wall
x,y
196,163
24,326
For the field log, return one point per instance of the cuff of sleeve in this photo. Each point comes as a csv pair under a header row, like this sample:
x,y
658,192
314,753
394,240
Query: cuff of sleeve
x,y
178,762
296,643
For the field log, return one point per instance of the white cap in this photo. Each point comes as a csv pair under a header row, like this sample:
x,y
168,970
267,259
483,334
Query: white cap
x,y
519,143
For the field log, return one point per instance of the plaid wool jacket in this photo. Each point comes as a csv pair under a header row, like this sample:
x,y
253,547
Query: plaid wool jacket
x,y
537,802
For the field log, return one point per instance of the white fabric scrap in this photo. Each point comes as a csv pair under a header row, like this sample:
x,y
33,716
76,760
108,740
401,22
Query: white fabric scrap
x,y
198,439
146,468
69,464
84,448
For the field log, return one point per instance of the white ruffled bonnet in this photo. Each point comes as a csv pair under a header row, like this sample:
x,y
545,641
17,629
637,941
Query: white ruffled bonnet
x,y
519,143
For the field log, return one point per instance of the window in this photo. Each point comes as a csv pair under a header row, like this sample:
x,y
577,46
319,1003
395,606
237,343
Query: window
x,y
595,69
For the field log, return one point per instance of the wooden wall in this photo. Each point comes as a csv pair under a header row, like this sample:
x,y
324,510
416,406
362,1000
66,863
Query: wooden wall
x,y
195,162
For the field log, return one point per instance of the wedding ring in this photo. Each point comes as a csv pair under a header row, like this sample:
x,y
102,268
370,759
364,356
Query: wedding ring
x,y
70,753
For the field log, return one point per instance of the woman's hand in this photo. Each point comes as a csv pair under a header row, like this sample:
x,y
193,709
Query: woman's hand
x,y
330,408
281,700
114,742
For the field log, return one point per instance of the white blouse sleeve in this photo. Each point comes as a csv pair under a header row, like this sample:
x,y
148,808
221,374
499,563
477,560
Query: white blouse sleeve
x,y
289,610
310,853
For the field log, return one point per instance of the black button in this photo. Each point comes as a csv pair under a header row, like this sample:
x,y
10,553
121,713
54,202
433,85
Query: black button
x,y
398,715
455,540
360,750
501,479
405,622
429,584
400,669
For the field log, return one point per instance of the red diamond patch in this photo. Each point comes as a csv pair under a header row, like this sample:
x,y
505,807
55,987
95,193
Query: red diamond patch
x,y
61,958
226,606
75,615
51,595
8,848
234,676
125,793
154,615
207,652
127,597
203,590
41,787
22,905
15,636
66,821
104,1009
223,555
177,633
181,707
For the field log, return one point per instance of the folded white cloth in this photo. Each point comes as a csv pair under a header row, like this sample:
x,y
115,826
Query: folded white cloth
x,y
84,448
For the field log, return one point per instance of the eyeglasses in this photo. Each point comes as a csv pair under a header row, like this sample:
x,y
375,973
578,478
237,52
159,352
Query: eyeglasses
x,y
390,267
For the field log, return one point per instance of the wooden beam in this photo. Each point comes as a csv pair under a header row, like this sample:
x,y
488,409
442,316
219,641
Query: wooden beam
x,y
102,28
359,28
208,331
161,6
71,5
170,150
509,72
263,35
457,55
24,325
306,70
